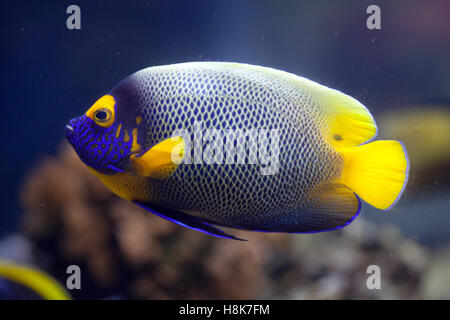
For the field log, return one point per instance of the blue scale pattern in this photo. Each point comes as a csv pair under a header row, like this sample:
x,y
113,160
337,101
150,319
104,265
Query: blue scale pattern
x,y
97,146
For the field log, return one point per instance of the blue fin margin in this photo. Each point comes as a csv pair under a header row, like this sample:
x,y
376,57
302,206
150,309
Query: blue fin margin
x,y
187,221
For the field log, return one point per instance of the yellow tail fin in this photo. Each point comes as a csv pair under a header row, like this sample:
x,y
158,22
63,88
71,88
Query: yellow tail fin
x,y
376,171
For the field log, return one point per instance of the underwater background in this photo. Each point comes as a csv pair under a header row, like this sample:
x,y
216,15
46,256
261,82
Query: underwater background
x,y
55,213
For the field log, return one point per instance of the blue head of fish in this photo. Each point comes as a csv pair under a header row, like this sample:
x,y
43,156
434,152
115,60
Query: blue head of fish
x,y
99,139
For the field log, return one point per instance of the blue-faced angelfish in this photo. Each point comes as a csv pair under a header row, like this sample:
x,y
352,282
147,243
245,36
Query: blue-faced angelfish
x,y
184,142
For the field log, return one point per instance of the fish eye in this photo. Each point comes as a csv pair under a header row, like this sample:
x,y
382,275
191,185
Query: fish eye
x,y
102,115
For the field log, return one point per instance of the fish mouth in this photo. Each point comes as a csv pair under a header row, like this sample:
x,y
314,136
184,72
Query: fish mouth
x,y
70,133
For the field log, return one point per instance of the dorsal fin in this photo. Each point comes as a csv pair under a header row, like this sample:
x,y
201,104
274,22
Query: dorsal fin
x,y
349,122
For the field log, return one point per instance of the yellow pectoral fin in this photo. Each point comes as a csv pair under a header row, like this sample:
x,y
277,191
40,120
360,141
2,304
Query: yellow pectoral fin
x,y
161,160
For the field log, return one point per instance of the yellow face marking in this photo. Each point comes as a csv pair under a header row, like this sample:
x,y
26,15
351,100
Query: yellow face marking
x,y
126,185
107,103
138,120
135,146
119,127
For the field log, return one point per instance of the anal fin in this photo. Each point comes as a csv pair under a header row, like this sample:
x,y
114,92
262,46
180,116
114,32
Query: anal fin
x,y
329,207
186,220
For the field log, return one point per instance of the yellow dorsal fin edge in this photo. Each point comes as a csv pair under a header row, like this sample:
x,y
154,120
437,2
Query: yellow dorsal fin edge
x,y
349,122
